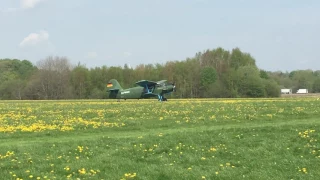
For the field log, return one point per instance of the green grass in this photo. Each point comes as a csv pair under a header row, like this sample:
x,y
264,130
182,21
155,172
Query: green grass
x,y
178,139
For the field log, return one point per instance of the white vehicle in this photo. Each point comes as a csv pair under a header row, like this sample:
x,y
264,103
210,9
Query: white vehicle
x,y
286,91
302,91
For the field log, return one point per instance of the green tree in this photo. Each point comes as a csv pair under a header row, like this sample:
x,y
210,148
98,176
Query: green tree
x,y
80,82
303,79
264,74
208,77
316,85
14,75
249,82
272,89
239,59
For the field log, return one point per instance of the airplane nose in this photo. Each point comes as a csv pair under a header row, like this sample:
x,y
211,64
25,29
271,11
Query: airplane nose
x,y
174,86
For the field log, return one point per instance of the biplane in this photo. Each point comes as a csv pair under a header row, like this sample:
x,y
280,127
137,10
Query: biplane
x,y
145,89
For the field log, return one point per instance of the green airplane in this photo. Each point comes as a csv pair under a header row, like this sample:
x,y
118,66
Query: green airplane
x,y
145,89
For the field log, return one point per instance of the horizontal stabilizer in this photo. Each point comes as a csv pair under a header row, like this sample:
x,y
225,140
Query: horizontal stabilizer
x,y
114,90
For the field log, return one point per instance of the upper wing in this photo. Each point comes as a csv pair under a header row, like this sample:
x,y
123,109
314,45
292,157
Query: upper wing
x,y
145,83
162,81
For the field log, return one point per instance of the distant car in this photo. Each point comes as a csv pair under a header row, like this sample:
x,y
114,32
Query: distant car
x,y
302,91
286,91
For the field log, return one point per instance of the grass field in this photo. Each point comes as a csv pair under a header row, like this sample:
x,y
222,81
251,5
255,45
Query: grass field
x,y
147,139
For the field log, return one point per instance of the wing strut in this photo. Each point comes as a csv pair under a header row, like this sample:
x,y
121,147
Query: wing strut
x,y
147,89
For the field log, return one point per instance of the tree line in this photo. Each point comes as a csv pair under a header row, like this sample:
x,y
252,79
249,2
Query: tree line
x,y
217,73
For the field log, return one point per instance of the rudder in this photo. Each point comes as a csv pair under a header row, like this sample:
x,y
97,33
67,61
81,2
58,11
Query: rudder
x,y
113,85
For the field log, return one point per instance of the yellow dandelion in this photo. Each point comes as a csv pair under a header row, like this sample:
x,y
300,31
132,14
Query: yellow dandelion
x,y
82,171
133,175
304,170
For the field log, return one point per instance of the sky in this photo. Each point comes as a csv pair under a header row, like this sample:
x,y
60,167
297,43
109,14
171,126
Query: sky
x,y
280,35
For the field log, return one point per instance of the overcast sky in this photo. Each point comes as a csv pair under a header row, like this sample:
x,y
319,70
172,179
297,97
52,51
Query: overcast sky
x,y
280,34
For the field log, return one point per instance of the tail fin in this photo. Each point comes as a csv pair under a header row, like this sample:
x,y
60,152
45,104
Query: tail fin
x,y
113,85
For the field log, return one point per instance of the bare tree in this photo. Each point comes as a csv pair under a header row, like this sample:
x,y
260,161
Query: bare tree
x,y
54,76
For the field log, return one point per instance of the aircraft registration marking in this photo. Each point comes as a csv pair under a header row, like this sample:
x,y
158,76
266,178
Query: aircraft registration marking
x,y
125,92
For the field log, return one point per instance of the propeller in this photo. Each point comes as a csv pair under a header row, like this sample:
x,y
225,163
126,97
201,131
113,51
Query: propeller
x,y
174,86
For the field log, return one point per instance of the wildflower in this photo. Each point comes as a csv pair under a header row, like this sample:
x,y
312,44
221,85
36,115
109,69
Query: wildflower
x,y
82,171
304,170
80,148
133,175
92,171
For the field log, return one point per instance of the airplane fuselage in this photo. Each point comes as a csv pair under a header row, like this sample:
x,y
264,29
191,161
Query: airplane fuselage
x,y
131,93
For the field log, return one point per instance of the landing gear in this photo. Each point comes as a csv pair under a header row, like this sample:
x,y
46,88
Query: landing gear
x,y
161,98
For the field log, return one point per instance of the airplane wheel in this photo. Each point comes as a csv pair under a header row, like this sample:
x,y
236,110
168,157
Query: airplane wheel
x,y
164,99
